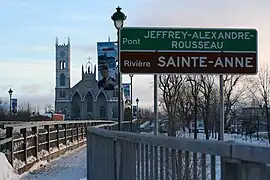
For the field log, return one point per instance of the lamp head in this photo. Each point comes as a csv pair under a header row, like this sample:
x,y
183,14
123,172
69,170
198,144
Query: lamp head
x,y
10,92
118,18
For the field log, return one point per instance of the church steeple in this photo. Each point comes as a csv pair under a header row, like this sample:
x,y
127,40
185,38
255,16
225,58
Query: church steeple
x,y
68,41
56,41
89,66
82,72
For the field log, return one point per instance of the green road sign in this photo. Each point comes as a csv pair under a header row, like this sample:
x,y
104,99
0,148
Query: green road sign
x,y
188,39
188,50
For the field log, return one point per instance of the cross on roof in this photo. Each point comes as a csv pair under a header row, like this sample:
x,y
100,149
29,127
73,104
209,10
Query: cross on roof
x,y
89,59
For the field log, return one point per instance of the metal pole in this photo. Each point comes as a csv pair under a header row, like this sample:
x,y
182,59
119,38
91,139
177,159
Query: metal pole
x,y
131,99
221,122
137,113
156,104
119,85
10,104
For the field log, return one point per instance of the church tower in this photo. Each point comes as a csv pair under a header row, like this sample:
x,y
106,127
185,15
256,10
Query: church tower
x,y
62,65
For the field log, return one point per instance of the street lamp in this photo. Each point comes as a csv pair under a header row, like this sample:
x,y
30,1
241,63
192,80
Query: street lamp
x,y
137,101
131,100
118,18
10,96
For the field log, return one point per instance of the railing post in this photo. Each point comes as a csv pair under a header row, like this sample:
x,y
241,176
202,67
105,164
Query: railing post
x,y
77,130
89,155
35,133
65,126
116,160
84,130
72,134
57,136
24,132
9,134
47,127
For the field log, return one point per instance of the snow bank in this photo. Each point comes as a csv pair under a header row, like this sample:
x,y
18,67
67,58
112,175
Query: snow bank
x,y
2,133
17,164
6,171
37,166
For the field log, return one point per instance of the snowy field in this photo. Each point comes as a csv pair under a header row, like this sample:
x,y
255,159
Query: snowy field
x,y
71,166
227,137
231,137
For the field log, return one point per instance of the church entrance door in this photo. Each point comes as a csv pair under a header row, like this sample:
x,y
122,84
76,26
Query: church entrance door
x,y
77,112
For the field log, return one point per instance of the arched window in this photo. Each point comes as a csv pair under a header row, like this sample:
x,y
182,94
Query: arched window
x,y
60,64
89,104
63,65
115,115
62,80
115,92
62,94
102,112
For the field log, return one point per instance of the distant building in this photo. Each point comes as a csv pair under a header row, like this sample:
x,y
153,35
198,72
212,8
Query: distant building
x,y
253,115
200,125
84,100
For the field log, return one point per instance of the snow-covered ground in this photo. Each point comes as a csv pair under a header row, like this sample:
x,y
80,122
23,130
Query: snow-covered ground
x,y
71,166
227,137
231,137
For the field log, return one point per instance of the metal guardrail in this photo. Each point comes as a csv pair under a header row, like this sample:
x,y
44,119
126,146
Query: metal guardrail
x,y
34,123
4,141
114,155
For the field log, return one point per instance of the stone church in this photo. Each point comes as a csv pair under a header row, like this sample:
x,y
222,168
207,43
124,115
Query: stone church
x,y
84,100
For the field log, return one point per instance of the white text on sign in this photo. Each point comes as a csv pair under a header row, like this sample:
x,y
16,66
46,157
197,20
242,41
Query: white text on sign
x,y
131,41
198,61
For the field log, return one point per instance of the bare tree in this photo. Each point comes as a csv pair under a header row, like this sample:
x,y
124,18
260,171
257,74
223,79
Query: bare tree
x,y
195,91
207,84
170,86
185,106
3,109
261,88
215,113
37,109
232,94
49,107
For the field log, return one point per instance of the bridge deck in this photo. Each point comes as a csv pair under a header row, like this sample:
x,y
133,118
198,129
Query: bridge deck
x,y
70,166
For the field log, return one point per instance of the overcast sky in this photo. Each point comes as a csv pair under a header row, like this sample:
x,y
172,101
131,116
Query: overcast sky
x,y
29,27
